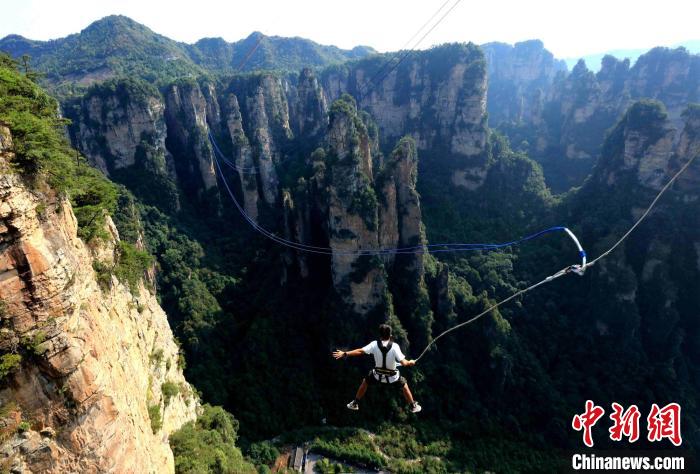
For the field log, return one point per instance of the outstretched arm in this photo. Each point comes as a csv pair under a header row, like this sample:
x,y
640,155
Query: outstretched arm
x,y
408,363
352,353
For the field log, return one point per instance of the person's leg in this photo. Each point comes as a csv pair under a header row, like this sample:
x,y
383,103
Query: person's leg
x,y
361,391
407,394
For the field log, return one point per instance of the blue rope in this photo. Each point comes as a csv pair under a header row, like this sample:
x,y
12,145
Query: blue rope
x,y
418,249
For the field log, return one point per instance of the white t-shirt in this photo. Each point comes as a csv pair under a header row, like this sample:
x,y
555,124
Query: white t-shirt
x,y
393,357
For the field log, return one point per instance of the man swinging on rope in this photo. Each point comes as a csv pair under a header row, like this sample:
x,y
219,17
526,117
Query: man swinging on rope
x,y
386,355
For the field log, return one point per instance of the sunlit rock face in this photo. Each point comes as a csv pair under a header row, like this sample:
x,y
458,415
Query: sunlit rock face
x,y
93,358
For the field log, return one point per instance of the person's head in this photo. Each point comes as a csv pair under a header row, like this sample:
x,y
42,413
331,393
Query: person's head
x,y
384,332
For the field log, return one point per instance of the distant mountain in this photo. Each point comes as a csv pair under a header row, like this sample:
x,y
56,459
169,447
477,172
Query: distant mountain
x,y
117,45
258,51
593,61
112,46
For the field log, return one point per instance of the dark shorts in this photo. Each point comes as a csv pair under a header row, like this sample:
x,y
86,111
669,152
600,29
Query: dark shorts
x,y
371,380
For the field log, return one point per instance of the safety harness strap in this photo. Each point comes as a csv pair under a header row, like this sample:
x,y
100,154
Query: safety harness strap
x,y
383,372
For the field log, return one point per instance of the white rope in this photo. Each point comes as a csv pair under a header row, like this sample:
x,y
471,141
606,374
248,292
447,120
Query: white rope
x,y
646,213
574,268
560,273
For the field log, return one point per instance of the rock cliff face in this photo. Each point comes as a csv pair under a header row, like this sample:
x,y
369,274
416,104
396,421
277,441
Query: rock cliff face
x,y
186,114
366,202
578,108
267,124
519,78
120,127
400,174
86,391
652,273
266,111
353,210
643,145
689,146
242,155
113,124
436,96
309,108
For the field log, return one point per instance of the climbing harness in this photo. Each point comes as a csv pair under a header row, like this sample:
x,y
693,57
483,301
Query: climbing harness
x,y
383,372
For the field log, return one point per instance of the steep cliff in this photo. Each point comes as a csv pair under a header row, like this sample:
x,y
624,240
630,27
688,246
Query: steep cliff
x,y
242,154
436,96
120,126
186,117
309,109
519,77
578,108
266,116
261,122
369,202
651,277
352,209
95,385
407,270
641,145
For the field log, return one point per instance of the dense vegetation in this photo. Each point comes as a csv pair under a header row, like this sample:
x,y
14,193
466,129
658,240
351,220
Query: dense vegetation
x,y
112,46
209,445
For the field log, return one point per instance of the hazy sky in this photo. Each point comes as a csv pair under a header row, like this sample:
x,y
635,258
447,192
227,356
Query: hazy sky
x,y
568,28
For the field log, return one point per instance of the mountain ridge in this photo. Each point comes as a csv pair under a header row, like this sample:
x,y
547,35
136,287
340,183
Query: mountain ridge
x,y
118,45
593,60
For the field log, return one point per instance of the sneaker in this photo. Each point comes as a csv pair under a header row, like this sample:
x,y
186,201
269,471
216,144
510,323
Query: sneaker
x,y
353,405
415,407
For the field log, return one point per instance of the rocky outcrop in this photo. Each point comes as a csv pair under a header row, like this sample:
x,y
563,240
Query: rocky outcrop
x,y
402,220
120,127
583,104
641,144
352,210
437,96
243,156
671,76
654,270
85,393
407,269
309,109
115,123
520,76
186,116
266,112
578,108
367,203
688,147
